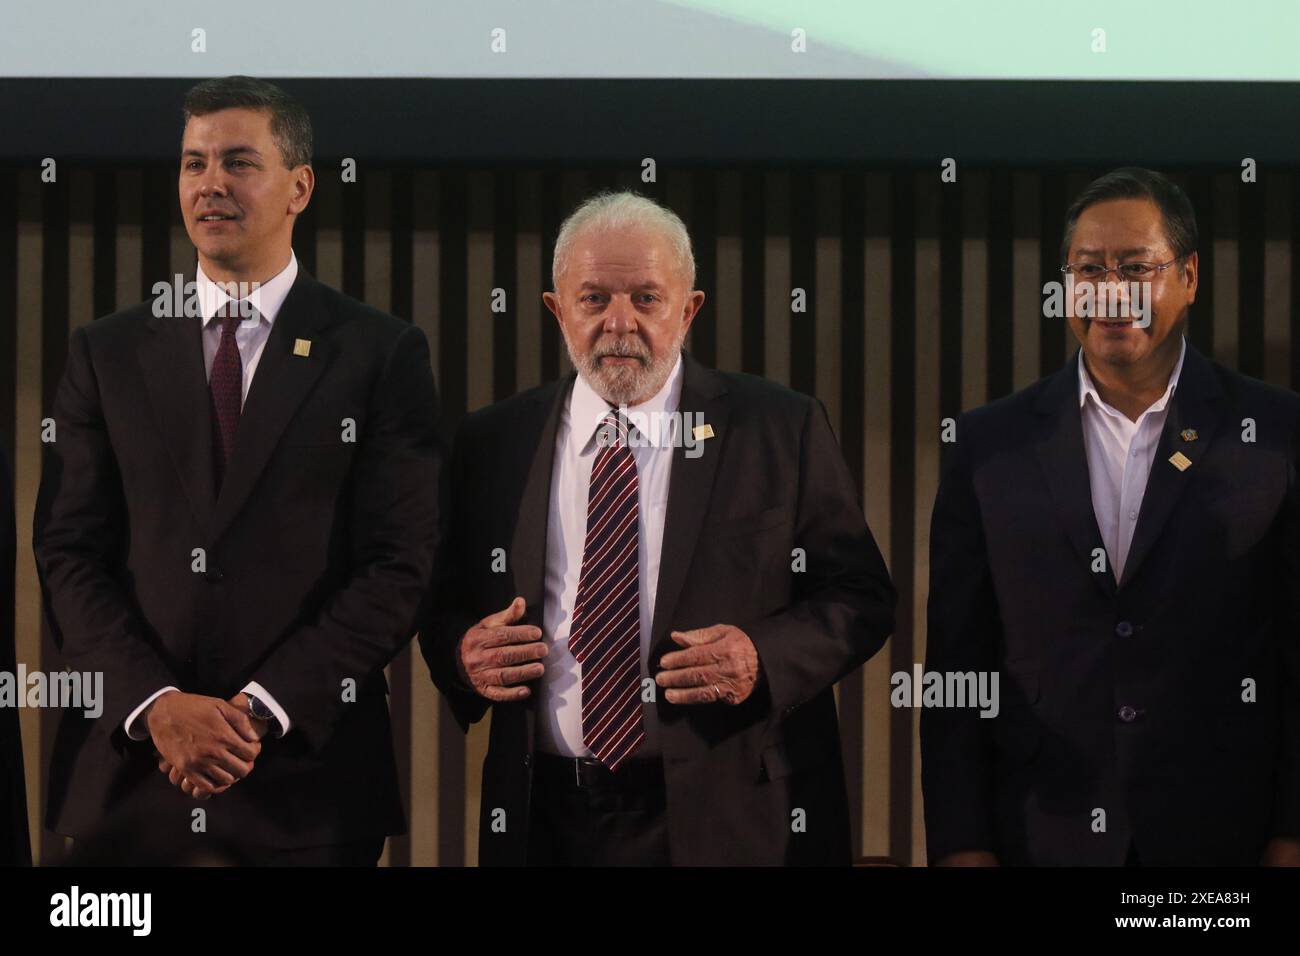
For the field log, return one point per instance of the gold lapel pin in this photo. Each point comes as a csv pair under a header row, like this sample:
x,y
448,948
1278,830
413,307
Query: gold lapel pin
x,y
302,347
1188,434
701,432
1180,461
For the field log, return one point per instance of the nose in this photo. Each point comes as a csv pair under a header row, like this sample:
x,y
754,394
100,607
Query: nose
x,y
213,182
620,317
1113,297
1117,286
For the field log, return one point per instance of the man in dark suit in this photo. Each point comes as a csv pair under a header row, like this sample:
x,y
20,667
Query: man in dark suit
x,y
666,611
1120,542
236,524
15,843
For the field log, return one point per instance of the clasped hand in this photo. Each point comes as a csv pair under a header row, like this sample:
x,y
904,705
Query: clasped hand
x,y
204,744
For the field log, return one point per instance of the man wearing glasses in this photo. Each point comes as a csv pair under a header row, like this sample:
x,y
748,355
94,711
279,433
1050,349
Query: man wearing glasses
x,y
1121,542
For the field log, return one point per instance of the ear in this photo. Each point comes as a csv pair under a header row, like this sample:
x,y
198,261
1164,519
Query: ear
x,y
552,301
1192,272
694,302
304,184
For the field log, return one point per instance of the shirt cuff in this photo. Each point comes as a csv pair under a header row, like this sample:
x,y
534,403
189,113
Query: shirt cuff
x,y
139,731
262,694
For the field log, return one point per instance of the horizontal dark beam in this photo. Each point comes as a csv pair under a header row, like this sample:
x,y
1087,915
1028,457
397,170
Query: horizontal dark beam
x,y
601,122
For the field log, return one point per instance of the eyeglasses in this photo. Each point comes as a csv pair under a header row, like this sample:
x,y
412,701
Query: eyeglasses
x,y
1131,271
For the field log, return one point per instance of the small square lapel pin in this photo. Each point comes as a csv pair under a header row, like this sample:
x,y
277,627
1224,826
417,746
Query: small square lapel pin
x,y
1180,461
701,432
302,347
1188,434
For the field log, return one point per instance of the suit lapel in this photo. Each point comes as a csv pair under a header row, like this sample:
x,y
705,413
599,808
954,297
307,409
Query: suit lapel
x,y
1060,452
171,361
690,487
279,386
1195,405
528,545
528,548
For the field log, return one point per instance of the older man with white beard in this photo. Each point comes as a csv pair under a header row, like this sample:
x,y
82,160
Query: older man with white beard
x,y
667,608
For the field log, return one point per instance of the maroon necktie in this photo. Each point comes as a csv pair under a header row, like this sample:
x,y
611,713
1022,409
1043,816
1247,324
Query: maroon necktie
x,y
606,634
226,386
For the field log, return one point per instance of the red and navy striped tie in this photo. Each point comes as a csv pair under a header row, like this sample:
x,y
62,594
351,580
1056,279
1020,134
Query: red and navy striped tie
x,y
606,634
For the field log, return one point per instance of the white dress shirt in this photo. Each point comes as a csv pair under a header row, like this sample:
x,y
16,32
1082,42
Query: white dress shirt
x,y
250,336
252,333
559,725
1120,454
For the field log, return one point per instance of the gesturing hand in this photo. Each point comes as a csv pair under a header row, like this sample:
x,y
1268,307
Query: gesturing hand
x,y
1281,851
718,663
204,743
496,656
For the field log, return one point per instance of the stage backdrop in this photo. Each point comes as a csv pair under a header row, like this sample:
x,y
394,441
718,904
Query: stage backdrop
x,y
923,299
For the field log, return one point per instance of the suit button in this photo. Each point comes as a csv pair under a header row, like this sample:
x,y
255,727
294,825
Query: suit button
x,y
1124,629
214,575
528,760
1128,714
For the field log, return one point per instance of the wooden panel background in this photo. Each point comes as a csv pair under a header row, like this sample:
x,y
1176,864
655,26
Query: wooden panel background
x,y
923,300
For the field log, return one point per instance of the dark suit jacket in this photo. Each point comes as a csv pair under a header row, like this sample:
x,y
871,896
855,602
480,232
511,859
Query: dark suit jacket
x,y
772,479
318,553
15,845
1210,598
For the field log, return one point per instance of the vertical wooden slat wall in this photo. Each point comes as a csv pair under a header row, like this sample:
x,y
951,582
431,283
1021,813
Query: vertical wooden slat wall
x,y
922,300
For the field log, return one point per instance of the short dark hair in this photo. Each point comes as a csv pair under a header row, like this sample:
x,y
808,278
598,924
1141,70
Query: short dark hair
x,y
1133,182
290,124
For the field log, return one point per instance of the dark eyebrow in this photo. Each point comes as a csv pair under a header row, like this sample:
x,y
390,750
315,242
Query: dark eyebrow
x,y
1135,251
232,151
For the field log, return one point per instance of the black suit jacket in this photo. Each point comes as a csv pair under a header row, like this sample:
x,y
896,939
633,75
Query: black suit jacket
x,y
772,479
1210,597
15,844
318,553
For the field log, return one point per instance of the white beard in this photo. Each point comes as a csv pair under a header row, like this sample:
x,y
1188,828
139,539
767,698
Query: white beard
x,y
624,384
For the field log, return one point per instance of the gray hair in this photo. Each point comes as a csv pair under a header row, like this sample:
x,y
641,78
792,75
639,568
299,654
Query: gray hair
x,y
619,210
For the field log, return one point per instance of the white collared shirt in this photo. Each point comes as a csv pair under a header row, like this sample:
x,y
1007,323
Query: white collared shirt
x,y
1120,454
250,337
559,723
252,333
